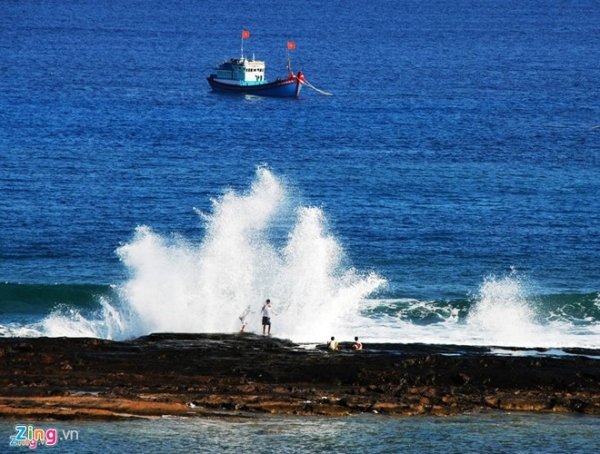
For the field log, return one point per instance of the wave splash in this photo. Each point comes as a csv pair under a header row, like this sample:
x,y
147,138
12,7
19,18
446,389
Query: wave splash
x,y
504,312
264,244
258,245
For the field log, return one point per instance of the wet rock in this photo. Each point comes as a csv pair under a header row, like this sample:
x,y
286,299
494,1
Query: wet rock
x,y
223,374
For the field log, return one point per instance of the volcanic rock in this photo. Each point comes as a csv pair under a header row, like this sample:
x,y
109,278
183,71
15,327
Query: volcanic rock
x,y
236,375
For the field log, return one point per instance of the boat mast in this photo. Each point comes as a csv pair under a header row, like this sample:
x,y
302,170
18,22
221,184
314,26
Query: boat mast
x,y
290,46
245,34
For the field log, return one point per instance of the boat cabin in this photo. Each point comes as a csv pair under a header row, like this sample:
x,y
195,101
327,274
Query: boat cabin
x,y
243,70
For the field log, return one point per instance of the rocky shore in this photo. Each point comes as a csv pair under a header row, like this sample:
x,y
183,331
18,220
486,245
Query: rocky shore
x,y
229,375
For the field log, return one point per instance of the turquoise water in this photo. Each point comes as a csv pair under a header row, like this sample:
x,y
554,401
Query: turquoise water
x,y
493,432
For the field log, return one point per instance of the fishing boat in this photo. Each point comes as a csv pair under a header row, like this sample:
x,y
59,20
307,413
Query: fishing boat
x,y
247,76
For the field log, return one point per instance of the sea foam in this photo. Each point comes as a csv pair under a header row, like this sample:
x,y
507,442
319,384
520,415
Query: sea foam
x,y
265,243
258,245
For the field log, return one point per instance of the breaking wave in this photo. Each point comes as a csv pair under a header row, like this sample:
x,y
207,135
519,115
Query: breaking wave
x,y
264,243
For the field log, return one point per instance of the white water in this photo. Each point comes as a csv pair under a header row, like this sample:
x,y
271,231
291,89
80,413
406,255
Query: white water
x,y
503,314
262,244
258,245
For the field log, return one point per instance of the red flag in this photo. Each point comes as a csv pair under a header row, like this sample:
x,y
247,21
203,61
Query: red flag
x,y
291,45
245,34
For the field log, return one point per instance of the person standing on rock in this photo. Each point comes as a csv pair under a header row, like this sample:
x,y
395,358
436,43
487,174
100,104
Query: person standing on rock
x,y
266,317
357,344
243,318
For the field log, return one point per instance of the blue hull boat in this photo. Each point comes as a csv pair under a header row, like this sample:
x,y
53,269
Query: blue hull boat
x,y
289,87
247,76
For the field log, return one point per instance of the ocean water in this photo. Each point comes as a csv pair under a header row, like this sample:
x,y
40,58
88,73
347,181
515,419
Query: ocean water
x,y
447,192
495,432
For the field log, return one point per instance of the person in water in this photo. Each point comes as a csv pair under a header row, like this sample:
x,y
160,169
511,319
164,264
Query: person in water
x,y
357,344
266,317
333,344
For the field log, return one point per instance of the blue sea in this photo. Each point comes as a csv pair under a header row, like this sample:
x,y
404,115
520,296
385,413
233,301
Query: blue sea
x,y
448,191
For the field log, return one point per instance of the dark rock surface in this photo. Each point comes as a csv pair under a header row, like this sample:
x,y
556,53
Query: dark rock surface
x,y
236,375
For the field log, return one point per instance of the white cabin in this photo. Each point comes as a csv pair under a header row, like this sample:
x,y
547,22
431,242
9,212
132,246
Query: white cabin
x,y
243,70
